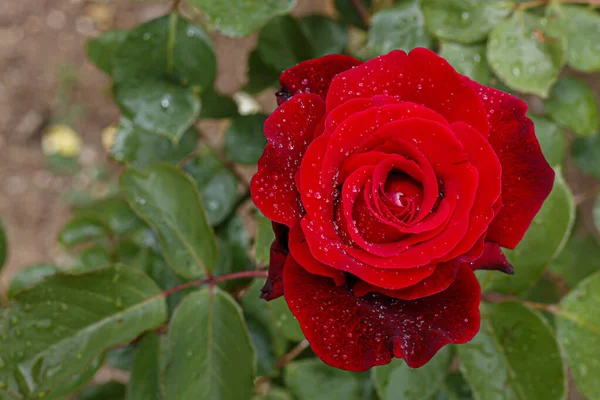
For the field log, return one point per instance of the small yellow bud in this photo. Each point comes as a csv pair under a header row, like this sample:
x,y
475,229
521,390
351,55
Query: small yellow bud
x,y
61,140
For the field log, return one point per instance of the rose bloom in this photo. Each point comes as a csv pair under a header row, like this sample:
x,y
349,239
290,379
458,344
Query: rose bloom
x,y
388,182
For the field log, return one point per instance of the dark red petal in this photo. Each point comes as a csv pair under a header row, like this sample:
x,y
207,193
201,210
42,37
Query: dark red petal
x,y
314,76
527,178
289,131
273,287
439,281
301,253
420,77
493,258
357,333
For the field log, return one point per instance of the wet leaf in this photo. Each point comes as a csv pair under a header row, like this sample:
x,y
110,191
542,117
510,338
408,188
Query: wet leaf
x,y
169,201
542,243
586,153
468,60
216,183
144,383
572,104
30,276
578,259
327,35
283,44
401,27
578,331
260,75
76,382
245,140
397,381
54,330
552,140
514,356
242,17
464,21
82,229
210,351
216,105
143,149
526,54
264,238
100,50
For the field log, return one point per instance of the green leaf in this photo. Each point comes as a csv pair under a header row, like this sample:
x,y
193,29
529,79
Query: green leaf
x,y
90,258
260,312
234,246
552,140
107,391
327,35
454,388
464,21
54,330
237,18
582,28
586,153
349,14
166,48
521,58
282,44
311,379
211,356
143,149
216,105
144,383
169,201
216,183
542,243
260,75
572,104
401,27
261,338
264,238
468,60
514,356
245,140
397,381
159,106
82,229
114,213
76,382
3,245
578,259
284,320
30,276
121,358
578,331
100,50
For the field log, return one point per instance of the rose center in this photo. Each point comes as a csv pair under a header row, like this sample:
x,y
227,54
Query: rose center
x,y
403,192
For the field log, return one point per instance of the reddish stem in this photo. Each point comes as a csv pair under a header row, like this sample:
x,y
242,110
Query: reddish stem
x,y
361,11
214,280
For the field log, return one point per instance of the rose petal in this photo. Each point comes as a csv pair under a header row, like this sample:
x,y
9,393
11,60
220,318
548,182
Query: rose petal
x,y
420,77
289,130
314,76
273,287
357,333
492,258
527,178
444,275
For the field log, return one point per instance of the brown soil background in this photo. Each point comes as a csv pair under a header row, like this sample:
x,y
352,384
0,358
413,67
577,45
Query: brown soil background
x,y
38,40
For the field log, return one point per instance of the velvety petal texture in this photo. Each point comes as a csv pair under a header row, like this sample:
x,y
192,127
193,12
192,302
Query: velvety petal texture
x,y
389,182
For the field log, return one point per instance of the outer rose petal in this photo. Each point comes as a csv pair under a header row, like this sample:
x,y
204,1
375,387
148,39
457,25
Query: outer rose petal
x,y
289,130
356,334
273,287
420,77
492,258
527,178
313,76
439,281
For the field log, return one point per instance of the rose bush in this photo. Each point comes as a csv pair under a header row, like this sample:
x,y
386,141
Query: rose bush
x,y
388,182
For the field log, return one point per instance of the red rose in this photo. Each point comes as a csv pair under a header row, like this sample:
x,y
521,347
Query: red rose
x,y
388,183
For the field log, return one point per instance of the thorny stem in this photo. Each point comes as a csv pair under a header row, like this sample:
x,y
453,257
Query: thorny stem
x,y
535,3
498,298
214,280
361,11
